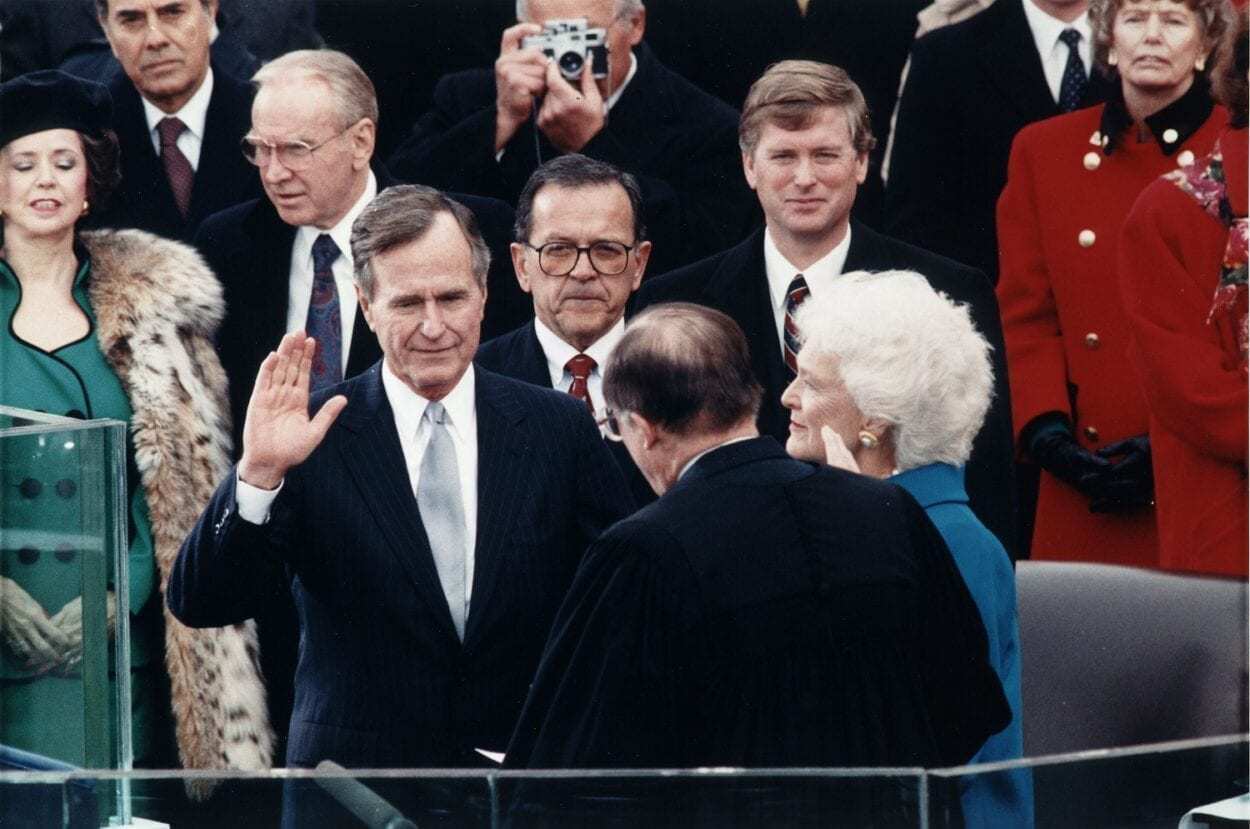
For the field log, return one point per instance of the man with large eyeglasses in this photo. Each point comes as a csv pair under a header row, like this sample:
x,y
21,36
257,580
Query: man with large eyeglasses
x,y
580,252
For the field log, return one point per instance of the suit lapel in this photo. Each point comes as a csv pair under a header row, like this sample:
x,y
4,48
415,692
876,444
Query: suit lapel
x,y
1011,64
501,451
218,152
740,289
531,360
375,461
147,187
272,240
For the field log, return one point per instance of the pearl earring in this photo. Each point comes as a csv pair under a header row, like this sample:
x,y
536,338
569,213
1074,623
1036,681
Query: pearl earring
x,y
1200,64
867,439
86,207
1111,59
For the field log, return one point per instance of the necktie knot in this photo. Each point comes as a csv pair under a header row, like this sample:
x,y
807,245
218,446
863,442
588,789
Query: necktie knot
x,y
580,366
436,412
169,129
796,292
324,252
1070,37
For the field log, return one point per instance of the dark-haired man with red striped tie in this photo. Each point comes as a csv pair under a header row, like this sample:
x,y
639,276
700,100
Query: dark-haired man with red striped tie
x,y
580,252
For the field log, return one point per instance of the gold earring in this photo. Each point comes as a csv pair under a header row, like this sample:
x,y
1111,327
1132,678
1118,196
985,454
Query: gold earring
x,y
867,439
1200,64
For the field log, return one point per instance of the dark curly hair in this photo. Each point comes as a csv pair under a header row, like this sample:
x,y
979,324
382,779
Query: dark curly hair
x,y
1228,79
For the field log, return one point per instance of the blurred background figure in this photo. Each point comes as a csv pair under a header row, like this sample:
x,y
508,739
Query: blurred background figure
x,y
894,382
111,325
1182,269
1078,411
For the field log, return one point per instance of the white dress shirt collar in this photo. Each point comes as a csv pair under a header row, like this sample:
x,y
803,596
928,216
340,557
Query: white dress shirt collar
x,y
1052,50
629,76
409,407
819,275
558,353
194,113
690,463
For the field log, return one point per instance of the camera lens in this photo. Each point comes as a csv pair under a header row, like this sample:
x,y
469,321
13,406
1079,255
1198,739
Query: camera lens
x,y
571,64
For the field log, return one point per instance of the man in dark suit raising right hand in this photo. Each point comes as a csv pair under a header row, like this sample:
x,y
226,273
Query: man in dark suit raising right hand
x,y
431,514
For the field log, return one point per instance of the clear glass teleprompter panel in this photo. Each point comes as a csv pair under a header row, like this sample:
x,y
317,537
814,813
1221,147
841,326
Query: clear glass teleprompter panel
x,y
63,565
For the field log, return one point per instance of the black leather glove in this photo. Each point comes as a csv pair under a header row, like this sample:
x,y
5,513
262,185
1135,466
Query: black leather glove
x,y
1052,445
1130,483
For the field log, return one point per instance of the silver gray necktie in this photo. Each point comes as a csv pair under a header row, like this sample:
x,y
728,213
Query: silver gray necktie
x,y
442,512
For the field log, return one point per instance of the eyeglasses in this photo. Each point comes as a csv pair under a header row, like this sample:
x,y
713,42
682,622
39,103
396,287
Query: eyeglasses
x,y
560,258
293,155
610,424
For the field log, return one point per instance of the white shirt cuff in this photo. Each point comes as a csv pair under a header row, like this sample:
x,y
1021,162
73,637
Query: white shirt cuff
x,y
252,502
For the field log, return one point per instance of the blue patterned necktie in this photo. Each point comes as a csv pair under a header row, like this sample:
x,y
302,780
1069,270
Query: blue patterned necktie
x,y
442,511
325,323
1072,87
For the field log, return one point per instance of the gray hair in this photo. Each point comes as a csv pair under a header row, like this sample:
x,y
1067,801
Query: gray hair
x,y
907,355
350,88
402,214
624,8
1213,16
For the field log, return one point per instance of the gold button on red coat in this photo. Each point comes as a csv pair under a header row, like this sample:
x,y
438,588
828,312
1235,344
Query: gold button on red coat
x,y
1086,238
1091,161
1170,135
1185,158
1091,433
1092,341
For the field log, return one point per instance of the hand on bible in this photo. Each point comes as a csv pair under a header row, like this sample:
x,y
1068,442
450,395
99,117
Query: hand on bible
x,y
279,433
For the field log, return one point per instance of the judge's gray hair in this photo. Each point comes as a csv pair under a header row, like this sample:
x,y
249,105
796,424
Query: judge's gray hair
x,y
624,8
907,355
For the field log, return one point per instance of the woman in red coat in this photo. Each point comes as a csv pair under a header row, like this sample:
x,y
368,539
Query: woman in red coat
x,y
1078,409
1183,277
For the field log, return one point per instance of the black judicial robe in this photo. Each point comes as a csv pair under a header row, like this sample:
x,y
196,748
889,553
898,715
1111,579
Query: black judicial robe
x,y
764,612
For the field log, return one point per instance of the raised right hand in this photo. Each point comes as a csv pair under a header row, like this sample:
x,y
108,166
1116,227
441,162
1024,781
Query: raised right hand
x,y
520,76
278,433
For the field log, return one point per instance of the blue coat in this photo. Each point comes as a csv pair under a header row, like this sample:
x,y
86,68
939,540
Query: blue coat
x,y
1004,798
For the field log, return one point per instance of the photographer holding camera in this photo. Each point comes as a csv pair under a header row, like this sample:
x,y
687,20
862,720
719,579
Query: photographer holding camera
x,y
489,130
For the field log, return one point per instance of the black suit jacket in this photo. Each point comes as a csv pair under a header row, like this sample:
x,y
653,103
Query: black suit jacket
x,y
736,283
222,178
723,46
739,620
519,355
249,248
383,681
970,89
680,142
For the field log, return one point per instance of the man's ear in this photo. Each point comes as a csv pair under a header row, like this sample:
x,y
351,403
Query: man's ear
x,y
748,168
364,135
518,266
638,27
642,253
651,432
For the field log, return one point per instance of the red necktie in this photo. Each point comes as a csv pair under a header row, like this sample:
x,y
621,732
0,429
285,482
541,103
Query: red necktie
x,y
795,294
177,168
580,366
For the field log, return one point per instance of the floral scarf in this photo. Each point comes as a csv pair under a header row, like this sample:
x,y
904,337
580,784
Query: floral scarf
x,y
1207,186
